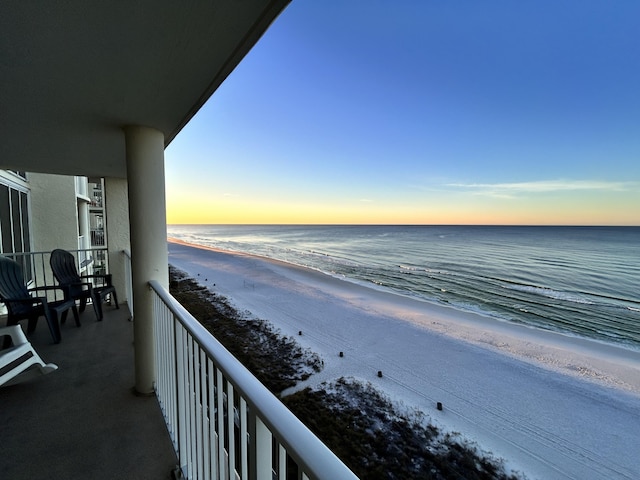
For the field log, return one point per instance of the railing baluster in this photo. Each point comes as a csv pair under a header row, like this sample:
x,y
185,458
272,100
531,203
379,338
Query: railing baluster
x,y
231,428
213,445
264,467
197,403
204,423
221,436
244,441
282,462
192,408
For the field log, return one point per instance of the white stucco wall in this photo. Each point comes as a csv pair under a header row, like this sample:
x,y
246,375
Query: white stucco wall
x,y
54,220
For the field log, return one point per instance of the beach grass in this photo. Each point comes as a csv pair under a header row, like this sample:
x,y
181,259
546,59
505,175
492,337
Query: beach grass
x,y
358,423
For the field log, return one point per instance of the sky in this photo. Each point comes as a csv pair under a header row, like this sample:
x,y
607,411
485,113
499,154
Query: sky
x,y
422,112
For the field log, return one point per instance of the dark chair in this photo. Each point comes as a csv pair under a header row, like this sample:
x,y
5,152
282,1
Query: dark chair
x,y
21,305
78,287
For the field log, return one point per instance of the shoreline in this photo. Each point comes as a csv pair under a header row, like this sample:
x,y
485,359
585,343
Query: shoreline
x,y
604,363
552,406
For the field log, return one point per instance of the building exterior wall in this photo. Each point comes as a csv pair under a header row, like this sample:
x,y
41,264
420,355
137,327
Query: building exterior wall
x,y
54,207
54,214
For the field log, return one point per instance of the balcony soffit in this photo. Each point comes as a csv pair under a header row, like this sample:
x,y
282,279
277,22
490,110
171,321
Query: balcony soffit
x,y
73,73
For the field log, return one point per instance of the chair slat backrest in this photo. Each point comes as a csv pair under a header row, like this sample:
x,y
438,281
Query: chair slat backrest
x,y
12,283
11,279
63,265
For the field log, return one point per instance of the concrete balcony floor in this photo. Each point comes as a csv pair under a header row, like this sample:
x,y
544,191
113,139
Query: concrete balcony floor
x,y
83,421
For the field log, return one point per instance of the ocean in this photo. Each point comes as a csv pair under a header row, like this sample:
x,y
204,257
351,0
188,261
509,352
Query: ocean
x,y
581,281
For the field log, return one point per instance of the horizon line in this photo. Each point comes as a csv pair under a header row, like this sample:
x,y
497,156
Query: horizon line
x,y
411,224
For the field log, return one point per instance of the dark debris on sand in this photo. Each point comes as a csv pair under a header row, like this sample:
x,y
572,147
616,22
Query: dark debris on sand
x,y
358,423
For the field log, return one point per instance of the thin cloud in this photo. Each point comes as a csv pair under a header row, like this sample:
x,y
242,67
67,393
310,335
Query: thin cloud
x,y
510,190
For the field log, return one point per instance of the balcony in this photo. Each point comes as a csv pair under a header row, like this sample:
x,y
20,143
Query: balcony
x,y
83,421
95,194
102,123
209,418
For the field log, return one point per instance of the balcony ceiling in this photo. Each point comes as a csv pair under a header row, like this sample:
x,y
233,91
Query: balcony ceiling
x,y
73,73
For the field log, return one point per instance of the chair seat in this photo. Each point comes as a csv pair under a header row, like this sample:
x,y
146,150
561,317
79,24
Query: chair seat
x,y
61,306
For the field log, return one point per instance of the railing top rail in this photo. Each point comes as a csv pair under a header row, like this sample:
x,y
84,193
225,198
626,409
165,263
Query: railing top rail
x,y
47,252
290,431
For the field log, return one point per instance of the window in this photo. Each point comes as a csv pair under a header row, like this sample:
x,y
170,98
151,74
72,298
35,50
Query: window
x,y
14,225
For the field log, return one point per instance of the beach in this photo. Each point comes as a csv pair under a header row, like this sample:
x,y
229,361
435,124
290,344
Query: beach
x,y
551,405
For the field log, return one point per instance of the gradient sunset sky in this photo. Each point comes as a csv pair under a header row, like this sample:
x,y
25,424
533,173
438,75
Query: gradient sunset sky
x,y
422,112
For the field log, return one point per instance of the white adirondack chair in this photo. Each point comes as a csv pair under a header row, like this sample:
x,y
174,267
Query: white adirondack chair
x,y
20,361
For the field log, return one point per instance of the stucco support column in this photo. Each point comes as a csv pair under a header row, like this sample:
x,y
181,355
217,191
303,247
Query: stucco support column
x,y
148,229
116,201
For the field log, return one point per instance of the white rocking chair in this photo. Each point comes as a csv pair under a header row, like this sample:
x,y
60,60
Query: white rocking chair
x,y
20,362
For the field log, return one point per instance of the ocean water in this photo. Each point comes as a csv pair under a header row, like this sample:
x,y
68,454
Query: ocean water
x,y
582,281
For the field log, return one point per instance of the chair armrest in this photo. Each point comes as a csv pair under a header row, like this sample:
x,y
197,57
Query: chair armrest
x,y
45,288
25,300
15,332
106,277
63,286
77,284
64,289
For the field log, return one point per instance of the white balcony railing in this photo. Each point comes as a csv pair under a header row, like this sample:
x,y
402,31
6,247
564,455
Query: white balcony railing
x,y
95,195
36,269
223,422
97,237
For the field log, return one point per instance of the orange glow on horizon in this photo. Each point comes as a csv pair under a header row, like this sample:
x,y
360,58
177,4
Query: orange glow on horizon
x,y
301,214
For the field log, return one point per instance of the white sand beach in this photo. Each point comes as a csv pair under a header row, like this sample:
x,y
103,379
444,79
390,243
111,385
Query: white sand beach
x,y
552,406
